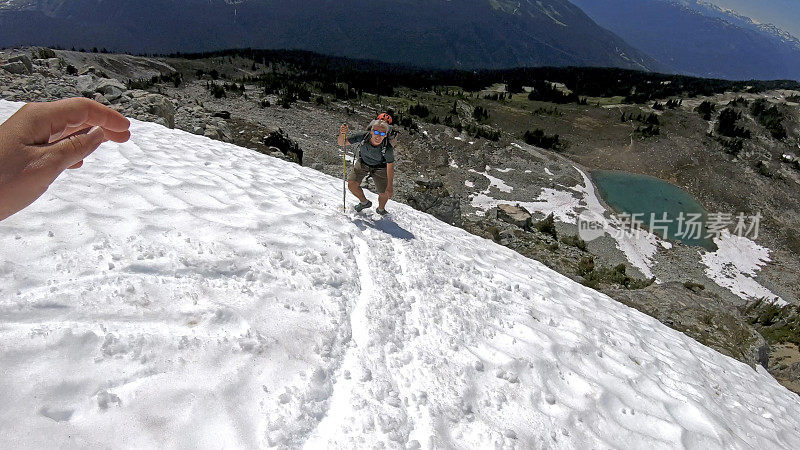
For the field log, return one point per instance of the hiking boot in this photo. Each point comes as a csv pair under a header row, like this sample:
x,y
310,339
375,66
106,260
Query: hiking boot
x,y
382,211
363,205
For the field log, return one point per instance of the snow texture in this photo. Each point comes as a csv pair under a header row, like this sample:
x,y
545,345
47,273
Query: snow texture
x,y
178,292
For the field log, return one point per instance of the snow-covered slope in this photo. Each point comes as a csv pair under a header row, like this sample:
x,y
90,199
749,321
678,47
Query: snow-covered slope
x,y
182,292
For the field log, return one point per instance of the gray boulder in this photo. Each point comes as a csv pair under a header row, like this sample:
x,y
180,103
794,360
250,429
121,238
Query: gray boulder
x,y
212,132
160,106
277,138
100,98
515,215
24,60
85,85
45,53
110,88
16,68
433,198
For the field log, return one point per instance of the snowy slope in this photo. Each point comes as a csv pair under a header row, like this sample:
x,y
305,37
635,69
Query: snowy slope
x,y
182,292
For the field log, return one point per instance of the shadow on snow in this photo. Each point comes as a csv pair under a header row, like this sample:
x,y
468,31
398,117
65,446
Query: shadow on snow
x,y
387,226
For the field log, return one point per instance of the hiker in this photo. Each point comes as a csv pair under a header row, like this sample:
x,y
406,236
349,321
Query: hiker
x,y
375,158
41,140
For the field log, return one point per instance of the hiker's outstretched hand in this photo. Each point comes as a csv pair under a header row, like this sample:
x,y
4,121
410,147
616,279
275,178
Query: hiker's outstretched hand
x,y
41,140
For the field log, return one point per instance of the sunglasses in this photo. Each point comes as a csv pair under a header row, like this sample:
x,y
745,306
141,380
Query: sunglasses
x,y
381,133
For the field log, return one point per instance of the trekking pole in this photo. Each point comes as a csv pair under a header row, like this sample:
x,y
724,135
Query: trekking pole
x,y
344,174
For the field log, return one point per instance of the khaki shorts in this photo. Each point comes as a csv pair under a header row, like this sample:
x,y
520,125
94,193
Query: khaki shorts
x,y
360,171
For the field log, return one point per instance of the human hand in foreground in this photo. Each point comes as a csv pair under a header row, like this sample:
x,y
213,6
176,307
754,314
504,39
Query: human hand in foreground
x,y
41,140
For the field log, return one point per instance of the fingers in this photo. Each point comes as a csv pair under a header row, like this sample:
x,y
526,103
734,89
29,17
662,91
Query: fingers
x,y
70,151
115,136
47,122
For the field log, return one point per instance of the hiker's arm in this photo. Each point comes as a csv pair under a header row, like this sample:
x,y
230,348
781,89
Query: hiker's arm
x,y
390,179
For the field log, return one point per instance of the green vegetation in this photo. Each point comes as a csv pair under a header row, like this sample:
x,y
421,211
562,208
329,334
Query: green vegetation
x,y
480,114
547,226
218,91
542,111
650,123
419,110
739,101
647,131
540,139
648,119
671,104
778,324
728,127
770,117
545,91
706,109
145,83
382,78
575,241
478,131
497,96
732,146
593,275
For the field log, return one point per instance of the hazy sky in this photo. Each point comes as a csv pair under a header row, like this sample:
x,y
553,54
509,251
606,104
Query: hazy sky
x,y
782,13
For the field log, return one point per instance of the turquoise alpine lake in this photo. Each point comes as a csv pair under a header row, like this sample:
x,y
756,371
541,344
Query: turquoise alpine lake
x,y
651,197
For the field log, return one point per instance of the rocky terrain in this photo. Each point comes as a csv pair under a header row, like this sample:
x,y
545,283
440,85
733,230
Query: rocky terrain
x,y
505,189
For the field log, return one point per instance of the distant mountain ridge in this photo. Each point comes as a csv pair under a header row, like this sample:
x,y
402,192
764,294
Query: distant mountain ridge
x,y
462,34
740,20
698,38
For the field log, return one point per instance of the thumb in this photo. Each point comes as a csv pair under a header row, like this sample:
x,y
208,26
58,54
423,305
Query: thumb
x,y
71,150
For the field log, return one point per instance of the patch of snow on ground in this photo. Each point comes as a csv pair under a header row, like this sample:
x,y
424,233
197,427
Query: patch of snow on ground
x,y
180,292
562,204
493,181
735,263
547,171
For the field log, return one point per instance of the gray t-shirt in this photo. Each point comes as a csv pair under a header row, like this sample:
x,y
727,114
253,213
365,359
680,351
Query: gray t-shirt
x,y
373,156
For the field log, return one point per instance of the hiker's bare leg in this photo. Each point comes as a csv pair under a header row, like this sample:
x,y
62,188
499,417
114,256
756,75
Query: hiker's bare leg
x,y
382,199
355,189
